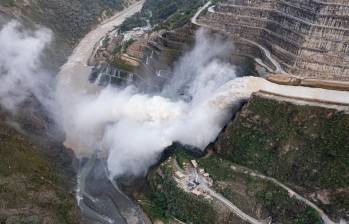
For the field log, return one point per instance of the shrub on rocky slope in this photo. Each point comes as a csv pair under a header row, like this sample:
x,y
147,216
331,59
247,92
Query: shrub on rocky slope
x,y
31,189
305,146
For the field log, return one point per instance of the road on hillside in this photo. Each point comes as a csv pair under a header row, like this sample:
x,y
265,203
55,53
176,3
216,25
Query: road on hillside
x,y
234,208
290,192
240,90
204,185
266,52
76,70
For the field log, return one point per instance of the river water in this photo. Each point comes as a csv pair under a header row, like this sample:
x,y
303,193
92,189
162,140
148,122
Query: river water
x,y
100,198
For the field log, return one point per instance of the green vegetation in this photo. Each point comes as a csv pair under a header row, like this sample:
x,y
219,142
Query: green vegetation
x,y
165,200
117,49
167,13
134,21
174,54
214,2
8,3
111,3
302,146
305,145
160,10
122,48
128,43
105,42
273,198
218,168
309,215
27,181
155,205
279,204
182,157
109,13
179,19
118,63
70,19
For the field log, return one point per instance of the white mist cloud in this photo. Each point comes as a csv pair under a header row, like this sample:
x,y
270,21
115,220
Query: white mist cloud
x,y
134,128
130,127
202,69
21,75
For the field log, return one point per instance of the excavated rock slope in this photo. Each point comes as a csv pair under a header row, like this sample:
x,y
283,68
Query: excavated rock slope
x,y
308,38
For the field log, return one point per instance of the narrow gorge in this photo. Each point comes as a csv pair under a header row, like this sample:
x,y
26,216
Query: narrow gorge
x,y
227,111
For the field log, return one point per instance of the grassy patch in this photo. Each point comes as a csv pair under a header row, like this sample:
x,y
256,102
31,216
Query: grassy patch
x,y
284,209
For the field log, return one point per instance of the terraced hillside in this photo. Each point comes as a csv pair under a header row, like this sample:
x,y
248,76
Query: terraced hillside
x,y
145,59
308,38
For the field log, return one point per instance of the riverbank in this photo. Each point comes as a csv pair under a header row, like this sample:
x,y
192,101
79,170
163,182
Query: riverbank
x,y
72,86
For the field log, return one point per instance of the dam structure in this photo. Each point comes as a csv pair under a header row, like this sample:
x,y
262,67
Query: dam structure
x,y
308,38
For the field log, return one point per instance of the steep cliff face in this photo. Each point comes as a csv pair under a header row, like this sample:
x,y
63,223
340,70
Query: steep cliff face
x,y
34,188
304,146
37,178
308,38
